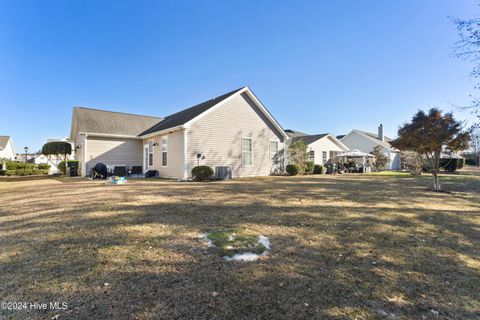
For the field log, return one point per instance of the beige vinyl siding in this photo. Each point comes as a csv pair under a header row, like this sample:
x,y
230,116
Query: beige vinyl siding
x,y
174,168
113,152
217,135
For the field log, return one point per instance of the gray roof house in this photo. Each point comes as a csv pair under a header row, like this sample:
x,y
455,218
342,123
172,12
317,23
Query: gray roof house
x,y
7,150
231,133
321,148
367,141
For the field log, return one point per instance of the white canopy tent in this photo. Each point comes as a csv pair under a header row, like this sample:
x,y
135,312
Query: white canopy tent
x,y
357,154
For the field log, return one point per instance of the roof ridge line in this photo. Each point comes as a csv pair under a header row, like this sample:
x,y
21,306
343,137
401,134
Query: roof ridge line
x,y
119,112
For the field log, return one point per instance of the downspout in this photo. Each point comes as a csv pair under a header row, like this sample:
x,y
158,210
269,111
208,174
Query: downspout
x,y
185,154
84,165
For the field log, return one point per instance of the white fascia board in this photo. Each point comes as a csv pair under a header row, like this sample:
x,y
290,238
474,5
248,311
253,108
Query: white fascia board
x,y
108,135
161,132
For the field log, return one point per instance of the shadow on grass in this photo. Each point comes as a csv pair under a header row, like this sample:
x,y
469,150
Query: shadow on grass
x,y
115,257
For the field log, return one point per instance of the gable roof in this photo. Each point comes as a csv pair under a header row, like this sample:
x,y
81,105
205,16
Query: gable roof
x,y
310,138
3,141
372,137
104,122
294,133
182,117
109,122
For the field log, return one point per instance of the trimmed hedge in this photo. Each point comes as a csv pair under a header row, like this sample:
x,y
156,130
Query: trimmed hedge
x,y
310,167
25,172
70,163
43,166
201,173
16,165
318,169
293,169
452,165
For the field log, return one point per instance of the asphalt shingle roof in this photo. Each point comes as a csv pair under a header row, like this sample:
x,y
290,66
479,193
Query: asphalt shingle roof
x,y
4,141
110,122
310,138
293,133
182,117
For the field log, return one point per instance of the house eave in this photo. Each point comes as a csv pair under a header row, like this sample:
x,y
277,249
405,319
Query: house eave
x,y
109,135
160,132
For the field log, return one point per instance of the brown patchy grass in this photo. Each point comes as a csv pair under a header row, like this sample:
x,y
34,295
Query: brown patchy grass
x,y
343,247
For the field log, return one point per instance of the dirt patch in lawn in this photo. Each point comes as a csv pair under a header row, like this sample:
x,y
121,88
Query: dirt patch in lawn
x,y
343,247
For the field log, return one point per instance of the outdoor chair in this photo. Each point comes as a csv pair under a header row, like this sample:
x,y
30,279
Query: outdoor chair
x,y
120,171
137,170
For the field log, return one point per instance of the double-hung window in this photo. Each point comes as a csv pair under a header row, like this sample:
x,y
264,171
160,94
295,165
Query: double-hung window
x,y
247,151
164,151
274,152
324,157
311,155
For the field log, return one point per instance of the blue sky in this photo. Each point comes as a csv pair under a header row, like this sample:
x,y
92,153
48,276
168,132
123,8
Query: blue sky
x,y
318,66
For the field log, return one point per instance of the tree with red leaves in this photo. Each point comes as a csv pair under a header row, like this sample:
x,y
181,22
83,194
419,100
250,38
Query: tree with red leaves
x,y
429,134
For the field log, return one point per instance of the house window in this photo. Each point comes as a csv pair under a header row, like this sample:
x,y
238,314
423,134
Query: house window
x,y
311,155
274,152
164,151
324,156
150,153
247,152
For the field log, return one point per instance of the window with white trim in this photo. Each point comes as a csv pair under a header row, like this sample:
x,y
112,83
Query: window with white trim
x,y
274,152
247,151
324,157
164,151
150,153
311,155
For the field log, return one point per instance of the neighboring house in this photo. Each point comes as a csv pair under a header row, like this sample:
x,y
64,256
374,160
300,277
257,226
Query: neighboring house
x,y
7,150
367,141
321,148
231,133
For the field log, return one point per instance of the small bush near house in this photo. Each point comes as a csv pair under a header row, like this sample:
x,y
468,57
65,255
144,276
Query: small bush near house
x,y
201,173
3,172
309,167
470,162
16,165
293,169
318,169
25,172
43,166
452,165
70,163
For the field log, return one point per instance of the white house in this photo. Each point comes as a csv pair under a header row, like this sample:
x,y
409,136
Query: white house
x,y
7,150
321,147
367,141
231,133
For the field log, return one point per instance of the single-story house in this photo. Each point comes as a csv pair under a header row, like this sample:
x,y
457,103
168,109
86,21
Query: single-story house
x,y
7,150
321,148
367,141
233,133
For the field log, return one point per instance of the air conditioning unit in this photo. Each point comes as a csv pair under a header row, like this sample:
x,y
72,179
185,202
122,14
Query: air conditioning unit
x,y
223,172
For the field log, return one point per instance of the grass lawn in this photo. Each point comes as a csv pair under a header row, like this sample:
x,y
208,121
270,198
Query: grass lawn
x,y
342,247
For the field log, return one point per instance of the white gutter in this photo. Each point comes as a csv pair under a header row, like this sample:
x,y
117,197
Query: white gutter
x,y
84,164
185,154
156,133
109,135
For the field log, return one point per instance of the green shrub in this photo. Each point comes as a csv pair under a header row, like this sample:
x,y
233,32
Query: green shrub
x,y
309,167
3,172
318,169
70,163
293,169
201,173
470,162
43,166
452,165
25,172
16,165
